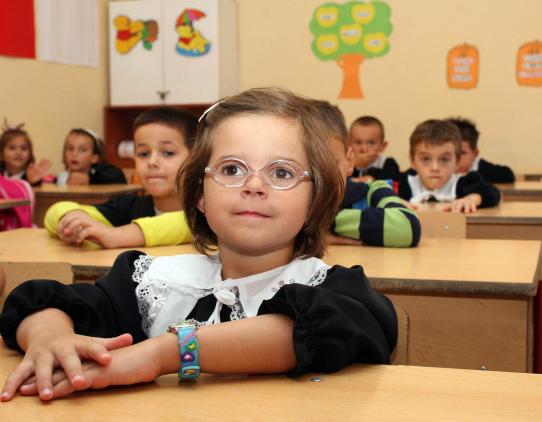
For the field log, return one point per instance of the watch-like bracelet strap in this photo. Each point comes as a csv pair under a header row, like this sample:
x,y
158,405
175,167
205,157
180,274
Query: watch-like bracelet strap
x,y
189,351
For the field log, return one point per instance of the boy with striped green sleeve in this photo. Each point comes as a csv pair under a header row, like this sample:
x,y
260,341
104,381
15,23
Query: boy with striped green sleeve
x,y
370,212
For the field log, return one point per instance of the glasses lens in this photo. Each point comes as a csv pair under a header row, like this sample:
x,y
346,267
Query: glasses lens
x,y
281,174
231,173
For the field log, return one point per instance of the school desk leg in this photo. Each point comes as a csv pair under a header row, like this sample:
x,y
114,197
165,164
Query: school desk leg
x,y
538,331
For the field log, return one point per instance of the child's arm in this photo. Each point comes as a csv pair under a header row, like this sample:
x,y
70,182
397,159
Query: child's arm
x,y
49,340
472,183
385,222
67,219
495,173
108,308
170,228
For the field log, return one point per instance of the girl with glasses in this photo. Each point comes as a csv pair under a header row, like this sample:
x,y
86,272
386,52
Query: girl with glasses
x,y
260,189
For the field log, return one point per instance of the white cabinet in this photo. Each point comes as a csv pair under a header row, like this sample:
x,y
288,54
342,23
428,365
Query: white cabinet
x,y
172,51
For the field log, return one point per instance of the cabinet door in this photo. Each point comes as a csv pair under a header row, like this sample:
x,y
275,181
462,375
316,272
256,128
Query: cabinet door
x,y
191,51
135,52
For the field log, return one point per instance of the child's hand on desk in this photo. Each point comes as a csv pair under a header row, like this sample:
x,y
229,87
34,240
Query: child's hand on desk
x,y
72,224
49,341
466,204
129,365
112,237
78,178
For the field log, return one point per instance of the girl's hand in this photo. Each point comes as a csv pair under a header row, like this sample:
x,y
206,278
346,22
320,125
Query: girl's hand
x,y
466,204
98,233
129,235
58,347
36,172
135,364
72,224
78,178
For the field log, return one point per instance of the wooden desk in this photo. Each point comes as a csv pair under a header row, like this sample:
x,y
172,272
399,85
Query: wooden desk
x,y
359,392
469,301
521,191
12,203
510,220
47,194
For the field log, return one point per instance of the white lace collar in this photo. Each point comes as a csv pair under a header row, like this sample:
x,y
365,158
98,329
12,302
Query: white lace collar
x,y
421,194
169,287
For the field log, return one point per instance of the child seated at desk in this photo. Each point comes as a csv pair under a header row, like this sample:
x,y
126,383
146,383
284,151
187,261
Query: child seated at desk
x,y
369,212
83,157
163,138
368,144
435,147
260,190
17,157
470,160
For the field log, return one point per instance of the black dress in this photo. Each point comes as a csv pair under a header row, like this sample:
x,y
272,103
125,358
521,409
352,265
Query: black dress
x,y
340,321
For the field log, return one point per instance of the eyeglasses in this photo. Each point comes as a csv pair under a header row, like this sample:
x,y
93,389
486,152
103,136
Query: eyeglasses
x,y
279,174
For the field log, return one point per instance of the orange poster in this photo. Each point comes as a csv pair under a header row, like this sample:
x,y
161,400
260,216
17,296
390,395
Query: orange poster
x,y
529,64
462,67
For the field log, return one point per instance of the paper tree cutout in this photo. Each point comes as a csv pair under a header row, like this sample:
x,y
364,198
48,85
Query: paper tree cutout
x,y
462,67
529,64
191,42
348,34
129,33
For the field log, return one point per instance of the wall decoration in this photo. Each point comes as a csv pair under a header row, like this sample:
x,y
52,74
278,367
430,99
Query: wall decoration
x,y
348,34
191,43
529,64
129,33
462,67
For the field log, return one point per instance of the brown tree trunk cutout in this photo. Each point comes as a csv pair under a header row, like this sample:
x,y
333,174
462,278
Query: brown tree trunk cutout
x,y
350,64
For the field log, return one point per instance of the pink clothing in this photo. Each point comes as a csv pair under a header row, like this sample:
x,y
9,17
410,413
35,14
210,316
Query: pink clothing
x,y
20,216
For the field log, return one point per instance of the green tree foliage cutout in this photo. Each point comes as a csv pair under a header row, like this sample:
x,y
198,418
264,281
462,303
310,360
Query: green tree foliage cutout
x,y
350,33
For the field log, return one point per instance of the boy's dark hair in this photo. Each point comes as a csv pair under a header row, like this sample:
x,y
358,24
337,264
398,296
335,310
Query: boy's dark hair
x,y
333,119
97,143
468,130
179,119
436,132
328,185
369,121
7,135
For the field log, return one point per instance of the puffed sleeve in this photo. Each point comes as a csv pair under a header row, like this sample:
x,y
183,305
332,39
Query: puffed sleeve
x,y
339,322
105,309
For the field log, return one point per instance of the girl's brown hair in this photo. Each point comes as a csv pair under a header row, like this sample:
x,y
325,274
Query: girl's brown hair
x,y
9,134
328,184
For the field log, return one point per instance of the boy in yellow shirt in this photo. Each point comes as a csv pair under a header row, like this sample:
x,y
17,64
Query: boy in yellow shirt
x,y
163,138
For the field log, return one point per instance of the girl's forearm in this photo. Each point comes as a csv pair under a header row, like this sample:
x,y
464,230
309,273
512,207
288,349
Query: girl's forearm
x,y
42,323
258,345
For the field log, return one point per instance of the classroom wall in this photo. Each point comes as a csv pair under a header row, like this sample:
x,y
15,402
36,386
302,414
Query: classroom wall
x,y
52,98
403,88
408,85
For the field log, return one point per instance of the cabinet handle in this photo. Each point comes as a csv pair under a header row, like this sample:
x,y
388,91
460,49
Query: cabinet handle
x,y
163,94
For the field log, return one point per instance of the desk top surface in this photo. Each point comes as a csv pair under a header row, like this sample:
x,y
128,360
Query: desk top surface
x,y
509,267
11,203
505,213
523,187
48,189
359,392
